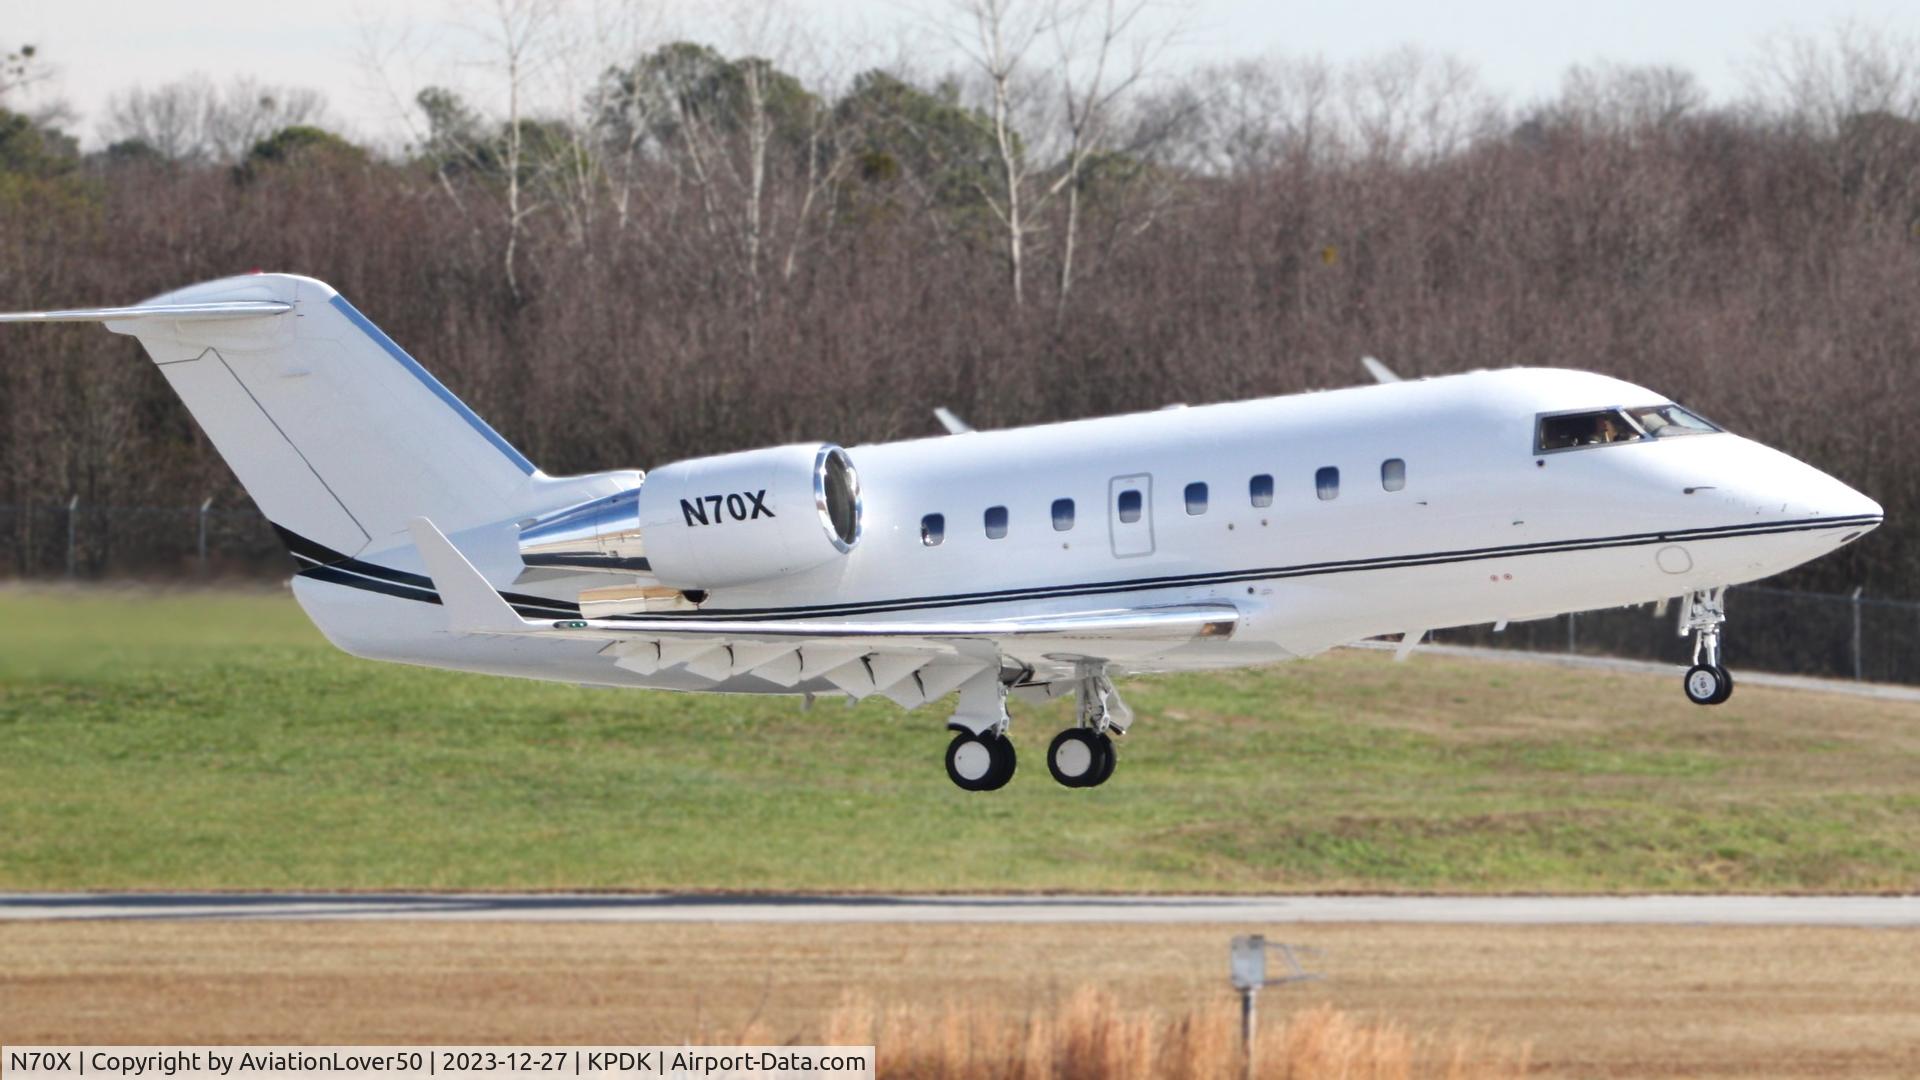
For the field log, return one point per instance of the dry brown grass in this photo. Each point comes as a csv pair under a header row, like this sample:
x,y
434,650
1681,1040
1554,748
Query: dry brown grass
x,y
1092,1036
1590,1001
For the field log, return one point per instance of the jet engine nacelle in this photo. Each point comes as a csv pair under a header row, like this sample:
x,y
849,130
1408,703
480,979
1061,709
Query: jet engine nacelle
x,y
752,516
713,522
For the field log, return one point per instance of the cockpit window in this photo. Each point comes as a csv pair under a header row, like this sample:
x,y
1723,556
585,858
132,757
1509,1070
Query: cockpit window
x,y
1666,421
1601,427
1596,428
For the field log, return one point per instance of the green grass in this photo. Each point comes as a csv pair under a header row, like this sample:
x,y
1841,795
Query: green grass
x,y
213,740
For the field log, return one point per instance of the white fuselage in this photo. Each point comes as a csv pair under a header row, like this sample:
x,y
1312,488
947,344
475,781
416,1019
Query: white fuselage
x,y
1482,529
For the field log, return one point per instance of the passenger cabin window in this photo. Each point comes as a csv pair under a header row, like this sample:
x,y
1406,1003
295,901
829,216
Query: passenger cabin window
x,y
1128,506
1260,490
1393,474
1196,499
1062,515
1326,483
996,522
933,529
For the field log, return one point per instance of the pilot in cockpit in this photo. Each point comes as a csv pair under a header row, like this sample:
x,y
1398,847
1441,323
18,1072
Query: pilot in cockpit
x,y
1609,430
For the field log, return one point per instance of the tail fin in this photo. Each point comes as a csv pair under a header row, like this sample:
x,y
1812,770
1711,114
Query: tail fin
x,y
337,434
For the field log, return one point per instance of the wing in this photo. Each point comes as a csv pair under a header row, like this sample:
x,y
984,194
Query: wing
x,y
910,662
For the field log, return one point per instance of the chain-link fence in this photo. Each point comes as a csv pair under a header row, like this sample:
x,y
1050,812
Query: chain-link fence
x,y
78,540
1801,633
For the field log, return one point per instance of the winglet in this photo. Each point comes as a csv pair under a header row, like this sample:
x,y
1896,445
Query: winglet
x,y
1379,371
473,606
953,424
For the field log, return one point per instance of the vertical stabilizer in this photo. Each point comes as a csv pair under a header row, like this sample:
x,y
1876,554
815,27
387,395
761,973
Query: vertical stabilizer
x,y
339,435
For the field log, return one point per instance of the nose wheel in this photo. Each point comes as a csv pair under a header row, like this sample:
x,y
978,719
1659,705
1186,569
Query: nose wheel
x,y
1708,685
1702,613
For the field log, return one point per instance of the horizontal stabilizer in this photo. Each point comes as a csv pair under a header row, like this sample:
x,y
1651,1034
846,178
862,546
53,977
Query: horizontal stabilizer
x,y
224,309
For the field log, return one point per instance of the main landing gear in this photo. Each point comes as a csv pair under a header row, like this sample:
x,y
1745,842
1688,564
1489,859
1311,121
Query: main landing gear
x,y
1702,612
982,762
981,756
1082,756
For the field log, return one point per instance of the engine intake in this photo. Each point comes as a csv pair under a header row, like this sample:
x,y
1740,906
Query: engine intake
x,y
712,522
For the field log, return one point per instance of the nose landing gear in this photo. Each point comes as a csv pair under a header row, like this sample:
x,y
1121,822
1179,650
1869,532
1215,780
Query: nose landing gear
x,y
1702,612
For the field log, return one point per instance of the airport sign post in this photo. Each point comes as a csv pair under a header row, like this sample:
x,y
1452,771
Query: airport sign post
x,y
1248,966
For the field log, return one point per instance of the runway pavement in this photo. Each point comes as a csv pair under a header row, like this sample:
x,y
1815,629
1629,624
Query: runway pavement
x,y
1857,911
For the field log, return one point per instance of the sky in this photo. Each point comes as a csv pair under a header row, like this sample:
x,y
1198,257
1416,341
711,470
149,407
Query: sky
x,y
369,60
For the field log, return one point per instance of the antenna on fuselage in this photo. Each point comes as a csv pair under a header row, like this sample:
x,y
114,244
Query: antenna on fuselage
x,y
953,424
1379,371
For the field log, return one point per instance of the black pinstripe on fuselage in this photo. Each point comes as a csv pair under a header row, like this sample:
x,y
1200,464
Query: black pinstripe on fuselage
x,y
324,564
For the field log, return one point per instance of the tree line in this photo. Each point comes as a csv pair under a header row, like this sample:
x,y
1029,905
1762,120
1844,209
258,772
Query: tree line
x,y
705,251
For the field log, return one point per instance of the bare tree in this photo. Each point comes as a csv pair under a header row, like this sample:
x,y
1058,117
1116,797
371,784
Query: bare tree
x,y
170,119
191,119
1858,92
520,29
1856,71
247,111
1625,98
1410,105
996,36
1101,58
1247,116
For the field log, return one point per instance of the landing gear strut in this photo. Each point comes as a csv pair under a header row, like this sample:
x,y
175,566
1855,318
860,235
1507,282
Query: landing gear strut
x,y
1082,755
1702,612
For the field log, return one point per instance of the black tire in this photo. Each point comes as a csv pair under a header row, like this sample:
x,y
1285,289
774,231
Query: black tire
x,y
1081,748
1107,761
1706,684
980,762
1726,687
1004,761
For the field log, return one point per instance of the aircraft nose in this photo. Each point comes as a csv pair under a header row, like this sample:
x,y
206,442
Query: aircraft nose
x,y
1827,496
1853,502
1777,484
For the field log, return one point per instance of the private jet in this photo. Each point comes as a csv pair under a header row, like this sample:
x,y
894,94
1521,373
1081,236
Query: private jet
x,y
1030,563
